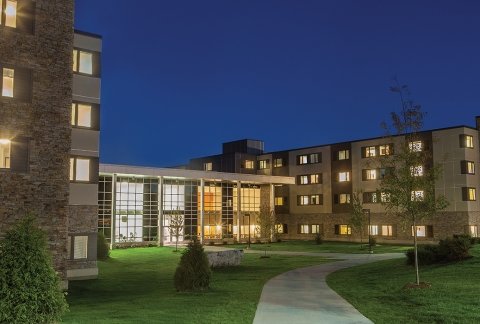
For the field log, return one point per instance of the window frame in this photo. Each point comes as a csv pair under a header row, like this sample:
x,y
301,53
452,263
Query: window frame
x,y
207,166
346,174
74,171
76,62
343,155
8,156
263,164
249,164
278,162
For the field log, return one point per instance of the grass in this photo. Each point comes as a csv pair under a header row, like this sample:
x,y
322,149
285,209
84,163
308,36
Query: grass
x,y
325,247
136,286
376,291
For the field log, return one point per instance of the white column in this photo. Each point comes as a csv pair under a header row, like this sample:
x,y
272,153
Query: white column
x,y
113,212
272,197
239,209
202,210
160,212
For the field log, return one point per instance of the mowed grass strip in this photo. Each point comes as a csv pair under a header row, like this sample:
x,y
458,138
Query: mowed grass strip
x,y
136,286
376,290
325,247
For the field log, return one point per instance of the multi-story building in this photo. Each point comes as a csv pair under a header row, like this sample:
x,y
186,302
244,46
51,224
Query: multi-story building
x,y
326,177
49,146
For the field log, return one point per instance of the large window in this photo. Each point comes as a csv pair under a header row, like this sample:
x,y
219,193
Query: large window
x,y
7,82
423,231
79,169
8,15
82,115
315,178
343,176
373,230
387,230
5,148
82,62
309,158
343,230
305,200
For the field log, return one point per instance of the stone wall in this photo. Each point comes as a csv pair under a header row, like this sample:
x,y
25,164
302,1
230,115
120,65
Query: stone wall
x,y
45,121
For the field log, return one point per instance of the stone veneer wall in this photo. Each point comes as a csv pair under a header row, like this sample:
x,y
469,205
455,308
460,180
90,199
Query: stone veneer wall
x,y
43,190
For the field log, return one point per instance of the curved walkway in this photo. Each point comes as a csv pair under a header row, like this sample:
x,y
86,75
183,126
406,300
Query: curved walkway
x,y
303,296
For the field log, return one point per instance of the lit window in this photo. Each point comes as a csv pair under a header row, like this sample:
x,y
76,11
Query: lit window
x,y
11,13
304,229
384,197
415,146
249,164
303,200
344,198
469,167
370,151
315,229
473,230
277,163
468,141
470,194
303,179
370,197
416,171
343,230
417,195
371,174
343,176
314,158
384,150
421,231
279,229
262,164
315,200
303,159
387,230
7,85
208,166
5,147
81,115
373,230
79,169
279,201
82,62
344,155
315,178
80,247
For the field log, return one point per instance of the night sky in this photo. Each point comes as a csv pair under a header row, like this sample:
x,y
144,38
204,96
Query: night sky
x,y
180,77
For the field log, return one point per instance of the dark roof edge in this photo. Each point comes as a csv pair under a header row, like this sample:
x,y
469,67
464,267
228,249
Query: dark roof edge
x,y
80,32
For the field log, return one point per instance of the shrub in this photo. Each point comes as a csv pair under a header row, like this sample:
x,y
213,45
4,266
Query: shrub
x,y
103,250
472,240
29,286
372,241
318,239
454,249
193,272
427,254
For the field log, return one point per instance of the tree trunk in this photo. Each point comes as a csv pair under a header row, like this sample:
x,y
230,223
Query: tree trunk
x,y
415,248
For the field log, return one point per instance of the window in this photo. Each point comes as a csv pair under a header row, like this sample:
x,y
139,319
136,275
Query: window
x,y
316,199
343,176
315,178
279,201
280,228
7,84
315,229
417,195
303,159
208,166
384,149
303,179
79,169
82,62
373,230
277,163
423,231
343,155
370,174
249,164
10,11
466,141
343,230
81,115
5,148
343,198
387,230
314,158
370,197
309,158
80,247
384,197
473,230
303,200
304,229
467,167
469,194
263,164
416,146
416,171
370,151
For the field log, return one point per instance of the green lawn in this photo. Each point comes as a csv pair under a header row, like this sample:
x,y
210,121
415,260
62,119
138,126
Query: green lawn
x,y
376,291
136,286
325,247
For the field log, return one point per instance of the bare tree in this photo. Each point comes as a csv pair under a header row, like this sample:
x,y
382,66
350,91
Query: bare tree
x,y
176,226
266,222
357,214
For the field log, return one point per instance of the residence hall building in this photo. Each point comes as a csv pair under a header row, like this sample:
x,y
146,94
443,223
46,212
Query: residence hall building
x,y
49,129
326,176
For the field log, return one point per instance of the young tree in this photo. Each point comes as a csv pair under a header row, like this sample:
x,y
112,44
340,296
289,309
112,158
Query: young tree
x,y
358,219
193,272
176,226
266,222
29,286
410,182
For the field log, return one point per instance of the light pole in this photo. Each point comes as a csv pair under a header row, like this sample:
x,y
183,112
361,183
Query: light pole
x,y
367,211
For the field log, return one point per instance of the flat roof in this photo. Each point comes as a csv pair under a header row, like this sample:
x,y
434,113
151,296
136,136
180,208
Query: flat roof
x,y
129,170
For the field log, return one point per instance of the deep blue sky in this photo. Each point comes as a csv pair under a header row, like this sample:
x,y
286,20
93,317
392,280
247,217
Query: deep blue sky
x,y
182,76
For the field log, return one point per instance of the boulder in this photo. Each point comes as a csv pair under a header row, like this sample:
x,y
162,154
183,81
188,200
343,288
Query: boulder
x,y
230,258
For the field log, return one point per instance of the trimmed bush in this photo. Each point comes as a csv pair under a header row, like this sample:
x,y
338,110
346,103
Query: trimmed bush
x,y
193,272
29,286
448,250
427,254
372,241
318,238
103,250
